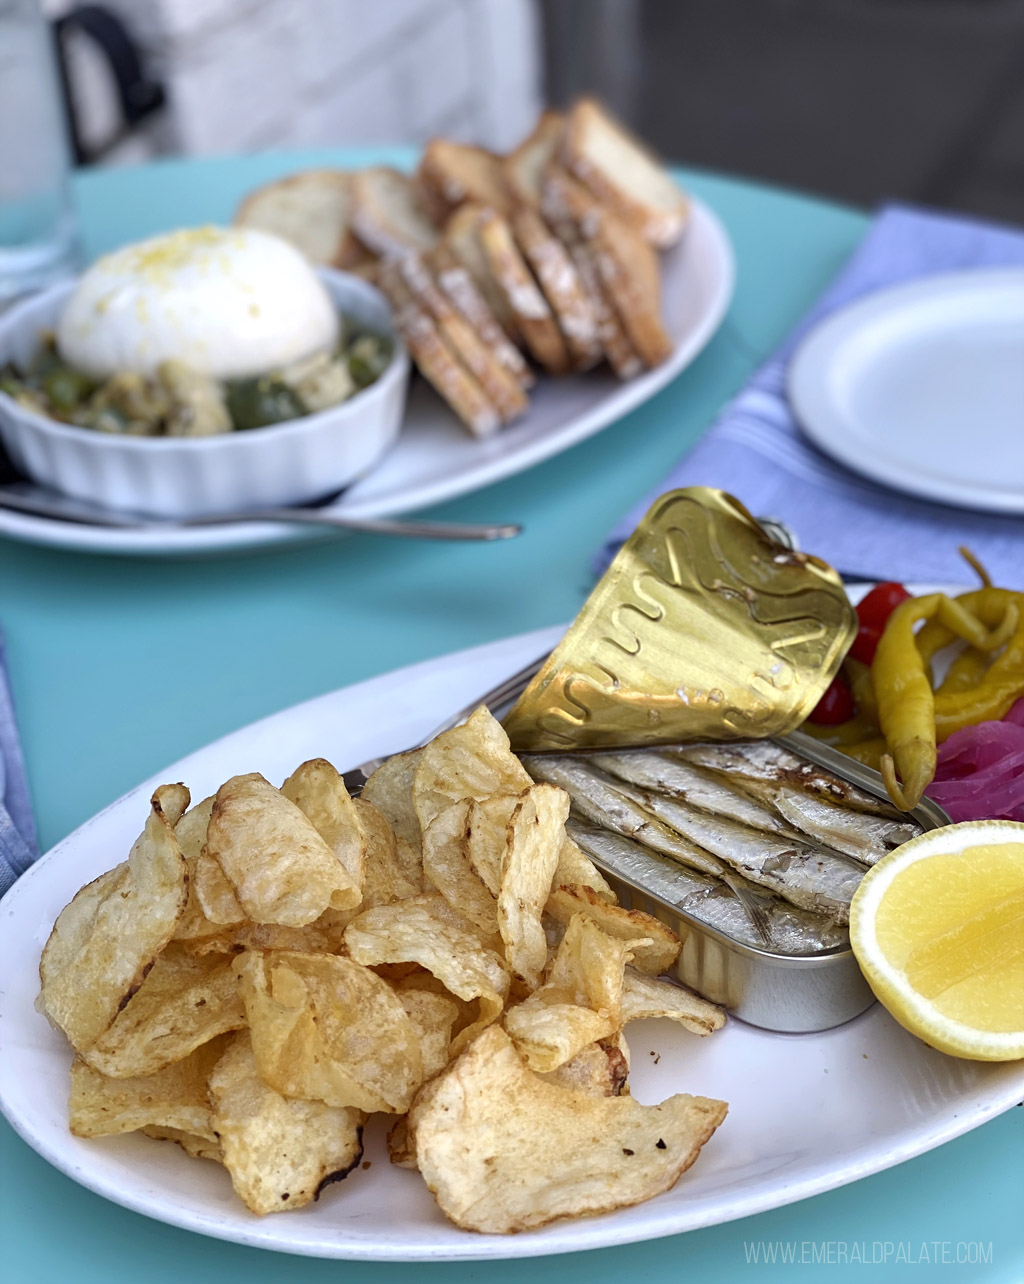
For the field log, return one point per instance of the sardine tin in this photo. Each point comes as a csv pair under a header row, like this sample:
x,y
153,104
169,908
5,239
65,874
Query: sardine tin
x,y
788,993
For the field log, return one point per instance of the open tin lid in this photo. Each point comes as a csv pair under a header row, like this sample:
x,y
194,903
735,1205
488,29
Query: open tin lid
x,y
702,628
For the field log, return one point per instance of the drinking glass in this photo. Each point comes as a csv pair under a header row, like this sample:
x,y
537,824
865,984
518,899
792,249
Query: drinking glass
x,y
38,238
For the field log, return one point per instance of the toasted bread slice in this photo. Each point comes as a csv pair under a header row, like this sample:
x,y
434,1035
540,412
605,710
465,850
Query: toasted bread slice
x,y
523,169
434,359
465,295
623,174
628,267
533,316
462,237
615,342
564,200
454,173
312,211
567,205
498,384
388,213
554,269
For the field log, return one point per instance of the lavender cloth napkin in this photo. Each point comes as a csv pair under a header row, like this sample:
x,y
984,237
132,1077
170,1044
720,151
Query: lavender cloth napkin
x,y
18,844
756,452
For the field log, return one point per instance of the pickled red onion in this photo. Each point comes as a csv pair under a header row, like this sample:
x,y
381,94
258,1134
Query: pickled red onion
x,y
980,770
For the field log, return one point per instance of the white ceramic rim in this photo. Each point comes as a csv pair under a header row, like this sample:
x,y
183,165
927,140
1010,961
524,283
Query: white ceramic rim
x,y
705,225
824,420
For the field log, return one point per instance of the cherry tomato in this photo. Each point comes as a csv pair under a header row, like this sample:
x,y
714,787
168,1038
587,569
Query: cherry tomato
x,y
836,705
874,609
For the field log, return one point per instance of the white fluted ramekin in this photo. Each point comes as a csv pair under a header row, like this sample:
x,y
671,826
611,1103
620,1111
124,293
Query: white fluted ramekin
x,y
179,477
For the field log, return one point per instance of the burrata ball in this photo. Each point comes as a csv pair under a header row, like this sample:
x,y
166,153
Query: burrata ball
x,y
231,302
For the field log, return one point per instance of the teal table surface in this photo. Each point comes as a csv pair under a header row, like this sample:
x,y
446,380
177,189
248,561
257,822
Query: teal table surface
x,y
120,666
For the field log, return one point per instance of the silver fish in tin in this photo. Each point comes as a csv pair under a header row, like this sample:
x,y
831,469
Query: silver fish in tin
x,y
774,806
664,773
766,761
604,802
805,874
859,834
790,930
601,801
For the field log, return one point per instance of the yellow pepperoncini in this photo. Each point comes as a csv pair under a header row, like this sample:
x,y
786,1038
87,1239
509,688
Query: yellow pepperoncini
x,y
965,671
978,688
900,675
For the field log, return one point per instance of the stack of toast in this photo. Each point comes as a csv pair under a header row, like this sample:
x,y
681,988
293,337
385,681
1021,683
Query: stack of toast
x,y
545,257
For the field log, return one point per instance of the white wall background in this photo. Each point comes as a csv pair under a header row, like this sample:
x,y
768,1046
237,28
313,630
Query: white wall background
x,y
243,75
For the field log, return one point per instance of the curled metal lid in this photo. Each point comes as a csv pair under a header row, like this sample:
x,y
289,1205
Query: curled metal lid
x,y
702,628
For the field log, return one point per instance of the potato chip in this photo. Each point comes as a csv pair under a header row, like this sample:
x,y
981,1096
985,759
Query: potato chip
x,y
534,837
489,939
280,1152
600,1070
580,1002
325,1028
468,1010
504,1151
182,1003
399,1149
372,947
319,792
645,996
433,1016
212,902
425,930
324,935
470,761
105,941
619,1040
549,1031
193,1146
384,880
174,1097
74,926
487,840
280,868
389,789
396,973
656,957
172,801
575,866
216,895
410,861
447,865
190,832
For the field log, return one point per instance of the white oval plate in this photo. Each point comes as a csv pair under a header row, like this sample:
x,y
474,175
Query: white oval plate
x,y
435,458
818,1111
921,387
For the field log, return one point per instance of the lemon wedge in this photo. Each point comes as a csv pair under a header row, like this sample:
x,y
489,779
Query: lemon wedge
x,y
937,927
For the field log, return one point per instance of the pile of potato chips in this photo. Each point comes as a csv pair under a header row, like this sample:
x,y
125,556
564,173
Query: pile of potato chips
x,y
271,966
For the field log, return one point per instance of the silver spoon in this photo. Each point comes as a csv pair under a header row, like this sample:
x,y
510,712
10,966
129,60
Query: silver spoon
x,y
24,497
